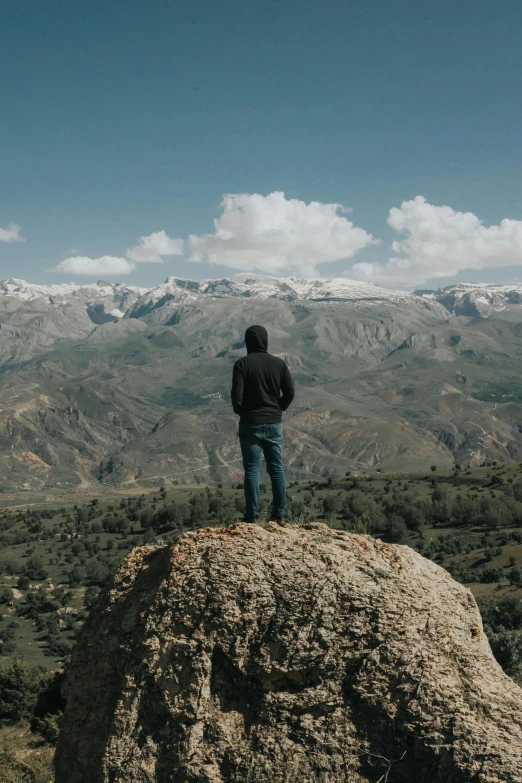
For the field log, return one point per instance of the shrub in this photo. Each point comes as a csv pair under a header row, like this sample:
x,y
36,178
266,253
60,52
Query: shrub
x,y
507,649
34,568
397,530
20,686
488,575
48,728
506,615
330,504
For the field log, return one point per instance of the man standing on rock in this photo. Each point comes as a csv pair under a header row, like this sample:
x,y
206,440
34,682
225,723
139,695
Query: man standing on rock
x,y
262,388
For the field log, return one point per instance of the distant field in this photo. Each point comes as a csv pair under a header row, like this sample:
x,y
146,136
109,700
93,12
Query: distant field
x,y
55,558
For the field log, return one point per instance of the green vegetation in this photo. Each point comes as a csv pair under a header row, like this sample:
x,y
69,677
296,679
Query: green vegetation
x,y
508,390
30,707
54,562
177,399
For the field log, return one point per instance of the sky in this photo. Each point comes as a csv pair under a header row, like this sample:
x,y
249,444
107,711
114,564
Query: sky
x,y
380,141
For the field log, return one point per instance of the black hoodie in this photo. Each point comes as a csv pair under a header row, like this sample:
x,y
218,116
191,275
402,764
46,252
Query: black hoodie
x,y
262,386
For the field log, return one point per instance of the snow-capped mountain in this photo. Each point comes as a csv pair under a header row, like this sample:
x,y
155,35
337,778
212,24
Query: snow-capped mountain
x,y
103,301
135,299
264,287
177,291
121,293
33,317
480,300
159,304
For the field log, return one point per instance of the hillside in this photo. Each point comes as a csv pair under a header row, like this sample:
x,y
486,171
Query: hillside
x,y
112,385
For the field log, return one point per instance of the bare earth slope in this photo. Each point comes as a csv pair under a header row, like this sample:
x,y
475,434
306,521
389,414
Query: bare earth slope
x,y
114,385
286,654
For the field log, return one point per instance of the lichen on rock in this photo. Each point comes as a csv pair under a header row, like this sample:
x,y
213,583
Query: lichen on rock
x,y
293,654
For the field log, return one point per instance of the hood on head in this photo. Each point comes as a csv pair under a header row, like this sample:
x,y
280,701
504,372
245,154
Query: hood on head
x,y
256,339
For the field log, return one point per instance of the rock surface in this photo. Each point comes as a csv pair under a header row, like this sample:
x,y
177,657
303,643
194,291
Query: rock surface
x,y
257,655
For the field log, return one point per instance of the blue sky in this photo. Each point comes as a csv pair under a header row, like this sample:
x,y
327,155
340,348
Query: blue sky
x,y
124,118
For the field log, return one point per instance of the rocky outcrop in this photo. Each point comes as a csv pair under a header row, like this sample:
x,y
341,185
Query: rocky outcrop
x,y
286,654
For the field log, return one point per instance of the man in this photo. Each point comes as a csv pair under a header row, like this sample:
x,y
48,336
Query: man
x,y
262,388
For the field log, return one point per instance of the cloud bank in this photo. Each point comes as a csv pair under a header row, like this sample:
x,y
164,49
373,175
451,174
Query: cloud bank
x,y
440,242
105,266
279,236
150,249
275,235
11,234
153,247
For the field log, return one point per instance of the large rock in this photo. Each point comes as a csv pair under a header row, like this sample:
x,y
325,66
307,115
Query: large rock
x,y
286,654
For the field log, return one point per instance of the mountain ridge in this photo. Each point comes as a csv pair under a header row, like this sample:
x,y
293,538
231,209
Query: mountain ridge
x,y
141,396
269,286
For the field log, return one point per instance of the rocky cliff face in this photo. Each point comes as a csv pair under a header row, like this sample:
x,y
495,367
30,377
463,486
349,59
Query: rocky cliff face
x,y
286,654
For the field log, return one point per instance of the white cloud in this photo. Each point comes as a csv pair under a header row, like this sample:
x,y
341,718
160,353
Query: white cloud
x,y
153,247
276,235
11,234
440,242
105,266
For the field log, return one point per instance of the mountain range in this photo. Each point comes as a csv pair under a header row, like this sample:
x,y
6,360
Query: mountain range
x,y
115,384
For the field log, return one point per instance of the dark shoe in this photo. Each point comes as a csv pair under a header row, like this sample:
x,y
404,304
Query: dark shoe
x,y
250,521
279,520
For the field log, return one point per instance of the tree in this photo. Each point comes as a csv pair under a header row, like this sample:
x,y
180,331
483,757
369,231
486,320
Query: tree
x,y
146,518
413,517
6,597
76,576
23,582
97,573
20,686
198,510
515,577
506,646
90,596
34,568
330,504
397,530
434,468
217,506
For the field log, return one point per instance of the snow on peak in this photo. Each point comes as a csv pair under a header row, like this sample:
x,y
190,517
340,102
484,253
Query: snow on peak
x,y
479,299
266,287
119,300
21,289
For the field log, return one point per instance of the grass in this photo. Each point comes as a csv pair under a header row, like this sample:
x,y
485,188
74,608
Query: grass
x,y
24,757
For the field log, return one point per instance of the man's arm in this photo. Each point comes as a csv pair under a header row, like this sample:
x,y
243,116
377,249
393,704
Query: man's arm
x,y
287,389
238,384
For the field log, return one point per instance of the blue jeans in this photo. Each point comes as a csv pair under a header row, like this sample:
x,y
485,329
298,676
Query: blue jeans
x,y
266,438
